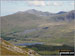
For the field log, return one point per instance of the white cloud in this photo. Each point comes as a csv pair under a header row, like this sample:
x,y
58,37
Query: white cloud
x,y
56,4
37,3
72,3
44,3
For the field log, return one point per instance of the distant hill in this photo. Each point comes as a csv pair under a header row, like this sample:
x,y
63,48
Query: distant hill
x,y
29,26
33,14
61,12
31,19
64,16
39,13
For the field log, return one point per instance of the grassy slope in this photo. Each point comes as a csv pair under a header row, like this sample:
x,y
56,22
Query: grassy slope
x,y
9,49
14,25
6,50
49,49
55,34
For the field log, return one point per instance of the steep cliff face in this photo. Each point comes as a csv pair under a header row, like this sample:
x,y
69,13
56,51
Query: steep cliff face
x,y
9,49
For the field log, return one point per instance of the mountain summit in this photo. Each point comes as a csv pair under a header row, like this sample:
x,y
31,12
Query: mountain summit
x,y
37,12
33,18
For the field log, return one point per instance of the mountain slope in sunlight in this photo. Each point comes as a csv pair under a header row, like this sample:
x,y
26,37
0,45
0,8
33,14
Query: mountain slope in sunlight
x,y
9,49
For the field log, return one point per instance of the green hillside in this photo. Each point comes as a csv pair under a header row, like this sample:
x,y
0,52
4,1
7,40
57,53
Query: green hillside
x,y
9,49
52,30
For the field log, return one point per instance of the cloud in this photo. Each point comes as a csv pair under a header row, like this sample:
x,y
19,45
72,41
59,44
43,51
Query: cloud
x,y
43,3
37,3
72,3
56,4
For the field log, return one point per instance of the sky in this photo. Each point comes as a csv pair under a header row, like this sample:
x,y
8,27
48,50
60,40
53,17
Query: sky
x,y
10,7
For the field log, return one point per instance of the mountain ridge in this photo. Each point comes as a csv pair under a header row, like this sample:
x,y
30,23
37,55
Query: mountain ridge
x,y
28,20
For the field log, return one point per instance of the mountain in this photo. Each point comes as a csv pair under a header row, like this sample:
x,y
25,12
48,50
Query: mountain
x,y
40,13
34,14
71,15
10,49
29,26
61,12
68,16
32,19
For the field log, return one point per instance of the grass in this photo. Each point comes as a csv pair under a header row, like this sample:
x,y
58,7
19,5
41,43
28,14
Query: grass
x,y
5,51
48,52
63,34
58,33
7,48
49,49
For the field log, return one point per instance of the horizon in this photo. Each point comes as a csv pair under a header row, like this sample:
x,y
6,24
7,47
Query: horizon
x,y
11,7
37,10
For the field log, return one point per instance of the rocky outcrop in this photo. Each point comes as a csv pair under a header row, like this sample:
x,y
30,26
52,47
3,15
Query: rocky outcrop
x,y
9,49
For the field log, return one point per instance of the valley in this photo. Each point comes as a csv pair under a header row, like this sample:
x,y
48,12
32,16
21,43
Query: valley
x,y
44,33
